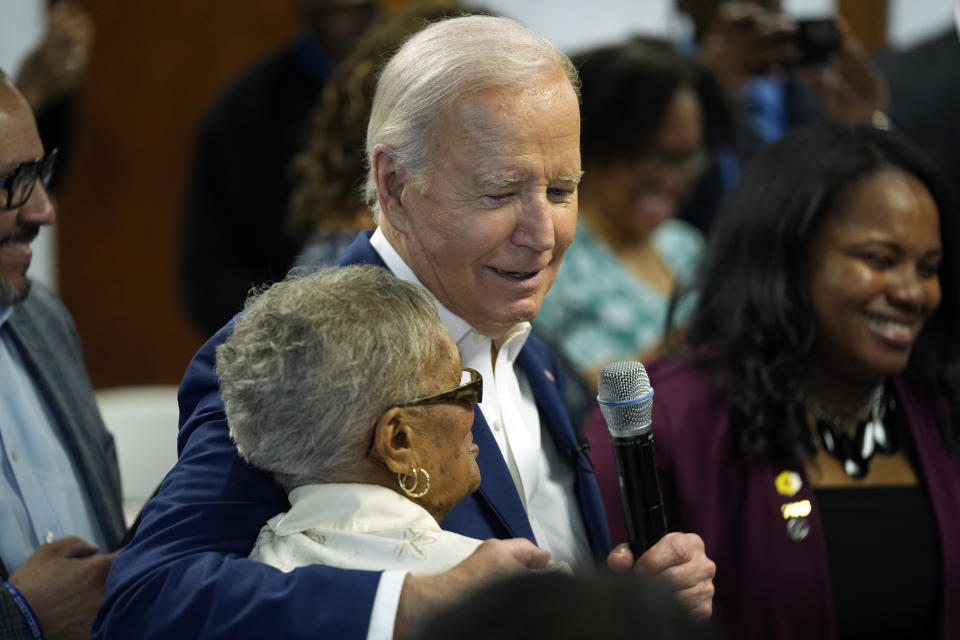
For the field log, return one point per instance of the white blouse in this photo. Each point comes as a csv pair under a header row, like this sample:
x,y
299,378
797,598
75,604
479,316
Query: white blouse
x,y
358,526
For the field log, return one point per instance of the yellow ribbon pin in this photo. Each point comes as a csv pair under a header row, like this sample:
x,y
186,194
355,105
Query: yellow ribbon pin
x,y
799,509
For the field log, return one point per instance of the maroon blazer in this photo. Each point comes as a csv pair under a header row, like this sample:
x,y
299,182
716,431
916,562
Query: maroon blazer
x,y
768,586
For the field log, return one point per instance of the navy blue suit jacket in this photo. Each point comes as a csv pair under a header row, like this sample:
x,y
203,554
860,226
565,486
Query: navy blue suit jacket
x,y
185,573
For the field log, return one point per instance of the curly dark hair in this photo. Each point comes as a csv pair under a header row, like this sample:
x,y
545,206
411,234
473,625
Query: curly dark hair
x,y
626,89
752,301
330,173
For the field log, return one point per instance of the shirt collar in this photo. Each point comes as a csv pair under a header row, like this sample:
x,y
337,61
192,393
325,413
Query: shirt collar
x,y
5,314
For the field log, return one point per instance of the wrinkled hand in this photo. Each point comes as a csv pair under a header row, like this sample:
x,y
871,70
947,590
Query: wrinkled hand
x,y
55,67
850,87
63,583
744,40
680,559
423,596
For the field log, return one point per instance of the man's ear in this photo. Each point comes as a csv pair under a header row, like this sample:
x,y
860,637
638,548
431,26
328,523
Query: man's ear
x,y
391,181
393,440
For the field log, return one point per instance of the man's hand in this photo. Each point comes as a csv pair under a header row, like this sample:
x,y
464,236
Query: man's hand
x,y
850,87
63,583
680,559
424,595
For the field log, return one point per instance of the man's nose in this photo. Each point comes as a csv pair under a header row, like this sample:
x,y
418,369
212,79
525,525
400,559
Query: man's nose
x,y
535,226
38,209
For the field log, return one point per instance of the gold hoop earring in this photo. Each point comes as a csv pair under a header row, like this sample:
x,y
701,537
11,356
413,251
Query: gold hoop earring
x,y
412,490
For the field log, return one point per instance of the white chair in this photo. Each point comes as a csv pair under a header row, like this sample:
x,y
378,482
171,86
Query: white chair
x,y
143,421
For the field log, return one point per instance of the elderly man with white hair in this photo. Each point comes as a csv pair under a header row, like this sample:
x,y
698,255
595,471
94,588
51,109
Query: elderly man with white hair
x,y
473,149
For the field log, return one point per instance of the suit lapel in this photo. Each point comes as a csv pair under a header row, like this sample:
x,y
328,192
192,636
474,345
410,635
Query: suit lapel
x,y
545,381
496,485
361,252
552,406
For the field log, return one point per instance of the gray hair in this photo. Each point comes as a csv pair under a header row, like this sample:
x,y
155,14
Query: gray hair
x,y
445,61
315,361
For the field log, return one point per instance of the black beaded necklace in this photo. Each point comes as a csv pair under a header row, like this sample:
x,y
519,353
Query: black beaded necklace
x,y
869,437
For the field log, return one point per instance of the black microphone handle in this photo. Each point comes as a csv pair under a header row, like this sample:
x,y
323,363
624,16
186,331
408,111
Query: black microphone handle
x,y
640,491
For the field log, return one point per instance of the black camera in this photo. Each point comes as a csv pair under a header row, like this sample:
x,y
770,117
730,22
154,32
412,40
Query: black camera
x,y
816,40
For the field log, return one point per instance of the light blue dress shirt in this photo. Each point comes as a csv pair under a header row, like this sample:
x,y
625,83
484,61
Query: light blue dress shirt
x,y
41,497
764,99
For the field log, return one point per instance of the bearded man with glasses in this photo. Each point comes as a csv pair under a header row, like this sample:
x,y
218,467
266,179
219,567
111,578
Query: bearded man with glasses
x,y
60,500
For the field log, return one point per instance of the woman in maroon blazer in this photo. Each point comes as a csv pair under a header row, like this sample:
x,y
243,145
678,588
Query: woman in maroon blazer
x,y
809,426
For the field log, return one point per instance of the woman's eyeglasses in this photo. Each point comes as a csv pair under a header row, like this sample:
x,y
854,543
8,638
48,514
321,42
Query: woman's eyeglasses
x,y
470,391
18,184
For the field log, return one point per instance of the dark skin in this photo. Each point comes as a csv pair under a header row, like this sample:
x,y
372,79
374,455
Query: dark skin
x,y
874,281
404,437
393,452
436,438
63,582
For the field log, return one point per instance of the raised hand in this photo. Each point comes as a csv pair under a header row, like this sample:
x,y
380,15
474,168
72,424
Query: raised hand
x,y
680,559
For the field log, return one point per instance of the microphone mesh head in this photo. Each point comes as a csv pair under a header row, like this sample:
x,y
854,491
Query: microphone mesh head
x,y
625,382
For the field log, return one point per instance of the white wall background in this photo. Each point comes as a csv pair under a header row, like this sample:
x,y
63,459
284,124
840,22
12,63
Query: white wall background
x,y
20,26
910,21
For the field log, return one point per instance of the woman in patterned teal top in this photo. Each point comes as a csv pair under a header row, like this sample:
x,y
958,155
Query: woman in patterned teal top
x,y
649,116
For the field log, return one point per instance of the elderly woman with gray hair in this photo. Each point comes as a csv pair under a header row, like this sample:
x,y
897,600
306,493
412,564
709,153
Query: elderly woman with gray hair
x,y
347,388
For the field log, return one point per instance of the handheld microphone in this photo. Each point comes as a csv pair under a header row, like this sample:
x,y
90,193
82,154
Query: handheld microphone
x,y
626,400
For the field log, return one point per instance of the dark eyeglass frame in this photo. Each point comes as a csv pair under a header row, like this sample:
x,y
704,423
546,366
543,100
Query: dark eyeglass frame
x,y
471,391
20,182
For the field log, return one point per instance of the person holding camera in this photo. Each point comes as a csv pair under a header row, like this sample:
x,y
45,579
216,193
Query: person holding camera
x,y
782,72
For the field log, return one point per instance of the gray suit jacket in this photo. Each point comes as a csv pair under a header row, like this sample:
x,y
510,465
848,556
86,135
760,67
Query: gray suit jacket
x,y
43,331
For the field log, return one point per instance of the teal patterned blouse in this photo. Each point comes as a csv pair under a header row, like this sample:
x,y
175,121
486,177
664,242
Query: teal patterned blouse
x,y
599,310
